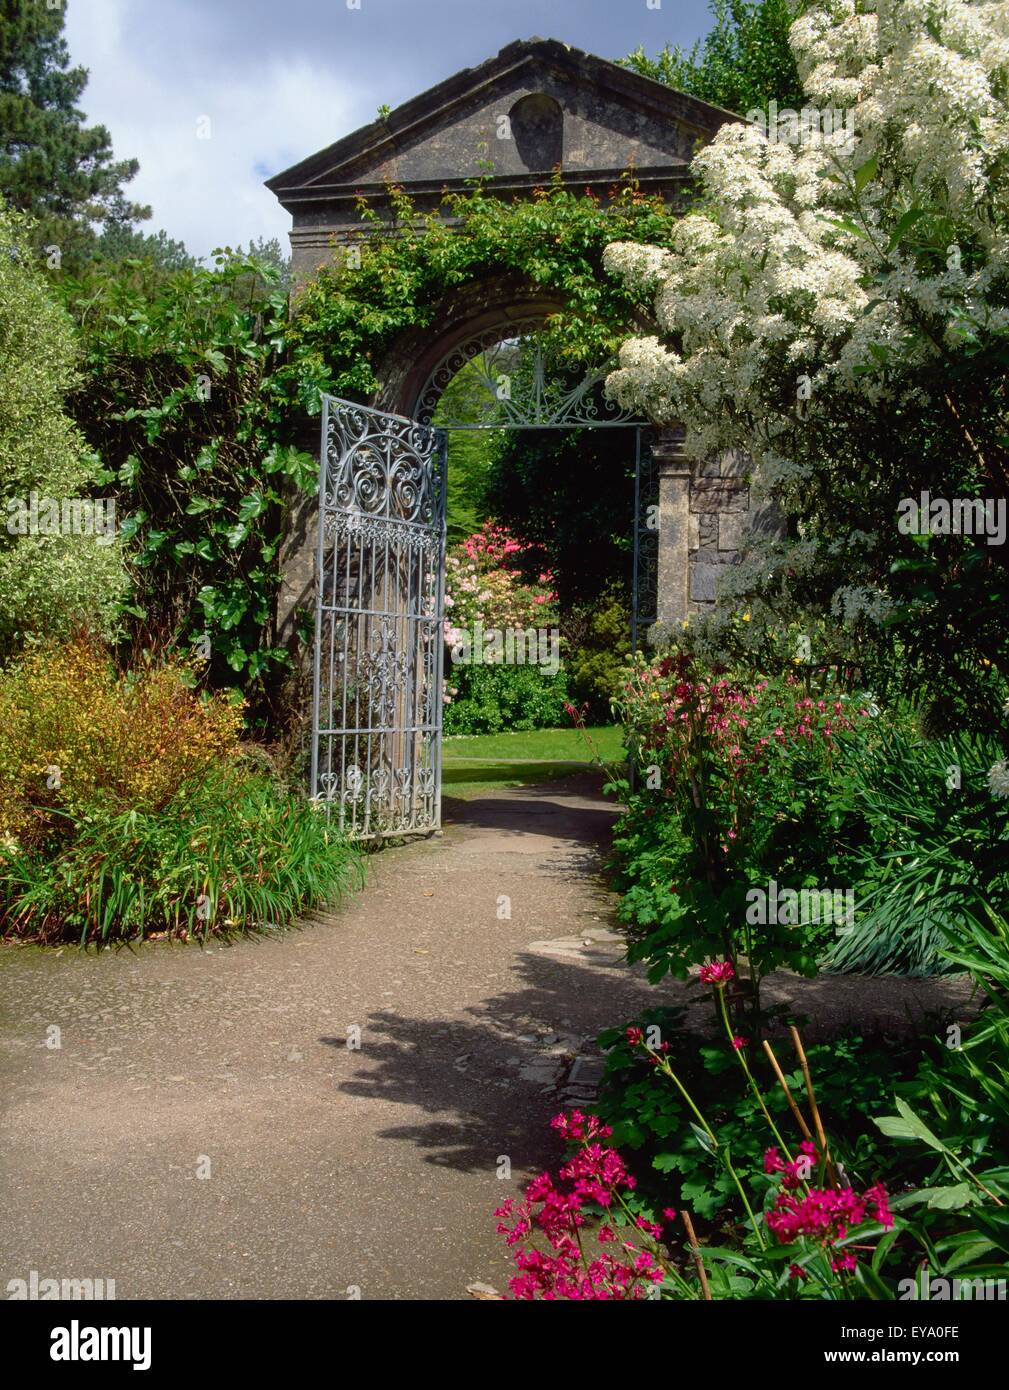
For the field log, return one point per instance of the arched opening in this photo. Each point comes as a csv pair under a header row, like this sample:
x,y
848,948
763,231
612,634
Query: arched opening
x,y
552,483
537,127
536,452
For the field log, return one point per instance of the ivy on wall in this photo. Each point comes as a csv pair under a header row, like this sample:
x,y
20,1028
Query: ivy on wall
x,y
394,275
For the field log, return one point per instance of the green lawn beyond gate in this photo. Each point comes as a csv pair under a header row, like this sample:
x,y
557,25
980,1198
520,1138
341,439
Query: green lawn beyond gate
x,y
474,763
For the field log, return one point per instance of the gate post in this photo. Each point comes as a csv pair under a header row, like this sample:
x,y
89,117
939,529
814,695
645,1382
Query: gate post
x,y
674,524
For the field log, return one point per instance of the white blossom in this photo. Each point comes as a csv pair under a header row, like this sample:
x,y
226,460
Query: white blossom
x,y
785,267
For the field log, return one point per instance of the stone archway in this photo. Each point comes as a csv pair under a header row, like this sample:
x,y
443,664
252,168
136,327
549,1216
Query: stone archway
x,y
490,303
485,307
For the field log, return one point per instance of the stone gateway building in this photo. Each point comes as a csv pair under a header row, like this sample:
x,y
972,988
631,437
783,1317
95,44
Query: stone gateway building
x,y
537,107
369,554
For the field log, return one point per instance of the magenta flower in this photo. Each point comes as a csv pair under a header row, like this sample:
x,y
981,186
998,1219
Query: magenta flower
x,y
824,1214
554,1212
772,1160
718,973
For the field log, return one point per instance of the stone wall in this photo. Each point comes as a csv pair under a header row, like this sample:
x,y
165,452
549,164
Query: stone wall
x,y
705,514
718,519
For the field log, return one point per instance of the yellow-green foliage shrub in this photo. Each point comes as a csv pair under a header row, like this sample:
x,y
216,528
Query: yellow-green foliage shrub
x,y
75,733
48,584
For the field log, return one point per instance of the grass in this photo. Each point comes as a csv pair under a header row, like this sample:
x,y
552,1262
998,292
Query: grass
x,y
233,853
474,763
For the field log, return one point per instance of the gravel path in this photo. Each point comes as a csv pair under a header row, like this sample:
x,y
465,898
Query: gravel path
x,y
205,1131
331,1168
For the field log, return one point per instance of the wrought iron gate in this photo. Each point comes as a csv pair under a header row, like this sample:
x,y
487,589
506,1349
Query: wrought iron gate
x,y
377,698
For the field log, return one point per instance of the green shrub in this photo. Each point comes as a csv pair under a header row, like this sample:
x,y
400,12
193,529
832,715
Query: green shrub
x,y
128,806
183,402
600,647
490,699
230,853
955,1110
936,851
48,583
855,1079
740,781
75,733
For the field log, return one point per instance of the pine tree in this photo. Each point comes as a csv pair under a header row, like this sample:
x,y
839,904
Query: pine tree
x,y
52,165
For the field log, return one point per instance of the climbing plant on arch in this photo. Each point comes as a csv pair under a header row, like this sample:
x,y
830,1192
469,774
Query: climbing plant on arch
x,y
396,275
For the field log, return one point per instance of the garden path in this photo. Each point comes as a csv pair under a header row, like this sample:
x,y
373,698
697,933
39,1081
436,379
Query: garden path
x,y
329,1168
203,1130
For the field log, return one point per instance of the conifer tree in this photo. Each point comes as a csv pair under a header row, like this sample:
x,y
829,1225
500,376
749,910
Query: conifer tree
x,y
53,165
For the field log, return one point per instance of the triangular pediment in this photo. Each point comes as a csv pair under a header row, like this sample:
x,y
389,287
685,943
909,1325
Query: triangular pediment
x,y
536,104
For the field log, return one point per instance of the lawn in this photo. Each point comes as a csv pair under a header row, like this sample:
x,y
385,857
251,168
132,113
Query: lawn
x,y
480,762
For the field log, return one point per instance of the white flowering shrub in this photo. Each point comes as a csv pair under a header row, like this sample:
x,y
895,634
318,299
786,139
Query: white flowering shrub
x,y
48,583
840,309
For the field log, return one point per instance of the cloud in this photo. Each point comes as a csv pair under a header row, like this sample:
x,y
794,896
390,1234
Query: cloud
x,y
206,134
279,81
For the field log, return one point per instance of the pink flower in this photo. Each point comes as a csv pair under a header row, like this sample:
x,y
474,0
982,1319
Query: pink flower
x,y
718,973
578,1126
826,1215
553,1210
877,1197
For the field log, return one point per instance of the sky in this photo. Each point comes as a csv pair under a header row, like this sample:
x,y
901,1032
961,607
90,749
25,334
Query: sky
x,y
214,96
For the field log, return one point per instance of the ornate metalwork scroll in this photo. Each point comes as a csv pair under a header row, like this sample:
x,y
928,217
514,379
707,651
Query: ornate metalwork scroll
x,y
377,698
515,383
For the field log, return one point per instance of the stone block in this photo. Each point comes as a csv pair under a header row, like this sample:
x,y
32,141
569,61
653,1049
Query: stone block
x,y
734,463
703,580
732,530
719,495
587,1071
